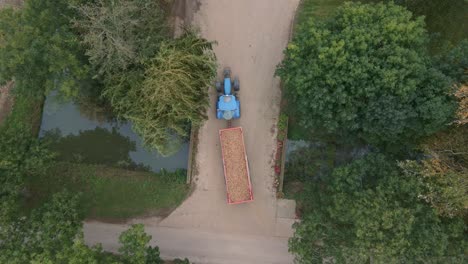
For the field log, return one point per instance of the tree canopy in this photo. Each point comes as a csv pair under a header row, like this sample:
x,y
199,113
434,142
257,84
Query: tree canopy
x,y
123,34
174,94
135,249
366,71
158,83
373,209
44,234
53,234
38,48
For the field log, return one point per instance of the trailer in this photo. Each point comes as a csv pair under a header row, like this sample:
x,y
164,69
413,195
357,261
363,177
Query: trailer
x,y
236,166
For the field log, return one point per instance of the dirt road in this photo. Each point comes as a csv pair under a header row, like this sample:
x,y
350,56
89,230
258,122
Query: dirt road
x,y
251,36
199,246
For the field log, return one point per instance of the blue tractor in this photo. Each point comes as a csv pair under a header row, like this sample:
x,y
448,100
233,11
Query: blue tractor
x,y
228,105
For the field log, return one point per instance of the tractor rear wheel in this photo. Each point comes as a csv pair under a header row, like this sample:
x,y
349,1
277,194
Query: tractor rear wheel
x,y
216,108
236,84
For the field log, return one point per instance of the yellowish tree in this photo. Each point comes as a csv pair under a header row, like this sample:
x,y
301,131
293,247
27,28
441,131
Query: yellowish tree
x,y
462,112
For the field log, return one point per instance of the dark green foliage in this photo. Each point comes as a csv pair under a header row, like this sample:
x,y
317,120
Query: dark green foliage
x,y
80,253
371,209
161,85
52,234
454,62
48,231
40,51
20,155
366,72
135,249
318,9
310,163
375,210
445,20
38,48
55,224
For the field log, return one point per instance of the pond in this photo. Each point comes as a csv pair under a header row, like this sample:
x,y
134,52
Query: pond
x,y
78,136
294,145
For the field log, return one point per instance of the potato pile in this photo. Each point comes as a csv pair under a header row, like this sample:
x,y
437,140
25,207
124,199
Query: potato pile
x,y
236,165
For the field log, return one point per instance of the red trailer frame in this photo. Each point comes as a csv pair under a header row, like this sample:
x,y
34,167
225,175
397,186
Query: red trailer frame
x,y
229,201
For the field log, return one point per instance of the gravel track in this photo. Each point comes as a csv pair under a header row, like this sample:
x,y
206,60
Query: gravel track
x,y
251,36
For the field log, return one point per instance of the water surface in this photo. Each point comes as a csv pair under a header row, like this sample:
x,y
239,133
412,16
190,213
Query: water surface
x,y
83,137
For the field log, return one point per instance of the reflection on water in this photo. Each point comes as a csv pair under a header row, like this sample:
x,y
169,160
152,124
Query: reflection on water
x,y
293,145
80,139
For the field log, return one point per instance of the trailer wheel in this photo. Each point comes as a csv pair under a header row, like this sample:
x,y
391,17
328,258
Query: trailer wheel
x,y
236,84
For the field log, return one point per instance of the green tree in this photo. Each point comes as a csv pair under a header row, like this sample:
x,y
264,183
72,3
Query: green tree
x,y
53,234
159,84
453,62
366,72
174,94
134,247
41,236
80,253
38,48
444,19
21,155
371,209
122,34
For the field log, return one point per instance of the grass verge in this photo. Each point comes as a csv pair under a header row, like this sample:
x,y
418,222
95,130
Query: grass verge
x,y
111,194
27,111
318,9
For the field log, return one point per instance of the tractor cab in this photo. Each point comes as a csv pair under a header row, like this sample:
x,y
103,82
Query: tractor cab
x,y
228,105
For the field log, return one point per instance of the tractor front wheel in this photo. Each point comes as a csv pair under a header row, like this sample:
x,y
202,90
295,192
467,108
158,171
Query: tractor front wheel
x,y
219,87
227,72
236,84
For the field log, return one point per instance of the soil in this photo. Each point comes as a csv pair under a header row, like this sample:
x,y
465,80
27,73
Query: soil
x,y
237,179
